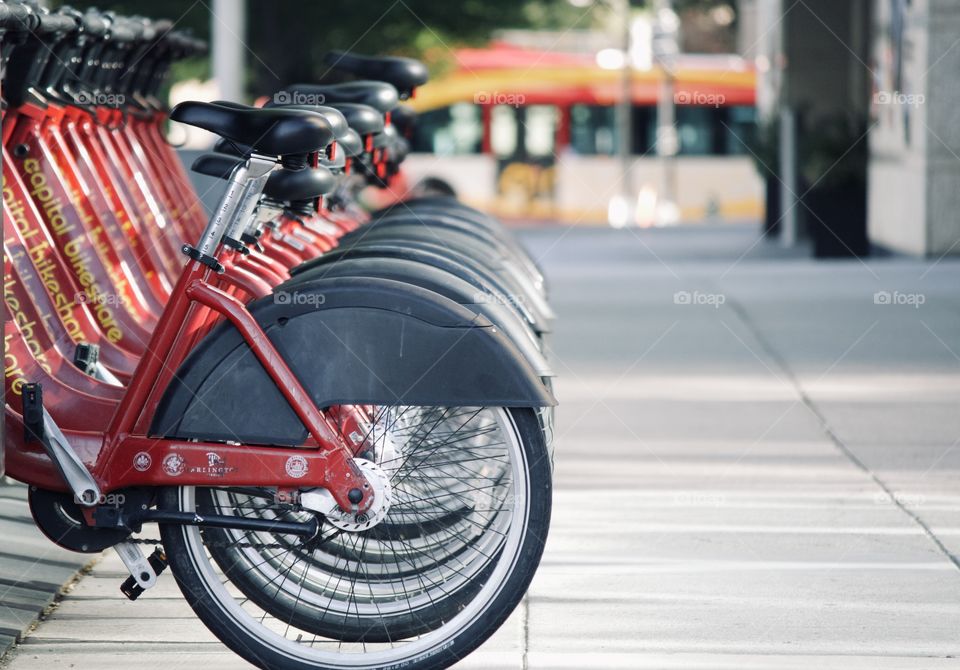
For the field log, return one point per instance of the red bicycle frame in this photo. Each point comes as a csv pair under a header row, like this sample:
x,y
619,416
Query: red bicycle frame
x,y
124,455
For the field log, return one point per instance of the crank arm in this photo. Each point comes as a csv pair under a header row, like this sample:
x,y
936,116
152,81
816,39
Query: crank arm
x,y
143,570
137,564
82,484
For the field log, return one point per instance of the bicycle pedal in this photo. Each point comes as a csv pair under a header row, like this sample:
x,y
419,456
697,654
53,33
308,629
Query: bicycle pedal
x,y
133,587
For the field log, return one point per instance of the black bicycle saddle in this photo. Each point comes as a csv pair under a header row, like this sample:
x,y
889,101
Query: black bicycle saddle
x,y
379,95
363,118
282,185
405,120
351,143
403,73
294,185
337,122
271,132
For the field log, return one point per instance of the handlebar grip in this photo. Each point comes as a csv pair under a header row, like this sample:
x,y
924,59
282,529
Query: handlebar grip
x,y
56,23
162,26
147,29
198,47
94,24
186,45
123,30
18,18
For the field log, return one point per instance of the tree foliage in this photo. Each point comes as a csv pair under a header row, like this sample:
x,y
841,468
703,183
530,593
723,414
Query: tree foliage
x,y
286,39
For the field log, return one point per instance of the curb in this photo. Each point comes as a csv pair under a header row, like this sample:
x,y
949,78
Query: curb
x,y
33,570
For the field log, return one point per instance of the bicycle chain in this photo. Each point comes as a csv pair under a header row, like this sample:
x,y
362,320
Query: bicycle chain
x,y
218,545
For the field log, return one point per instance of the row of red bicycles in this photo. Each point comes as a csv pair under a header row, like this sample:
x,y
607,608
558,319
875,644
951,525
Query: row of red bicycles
x,y
338,420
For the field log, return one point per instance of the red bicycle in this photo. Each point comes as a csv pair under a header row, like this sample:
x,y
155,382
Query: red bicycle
x,y
347,459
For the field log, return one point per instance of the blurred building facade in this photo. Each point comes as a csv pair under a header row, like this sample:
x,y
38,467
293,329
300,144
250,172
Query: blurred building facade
x,y
863,99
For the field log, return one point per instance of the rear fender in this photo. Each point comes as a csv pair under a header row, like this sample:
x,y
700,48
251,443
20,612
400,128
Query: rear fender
x,y
495,307
456,264
349,341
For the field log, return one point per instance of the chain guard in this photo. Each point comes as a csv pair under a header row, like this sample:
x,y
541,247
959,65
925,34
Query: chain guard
x,y
62,521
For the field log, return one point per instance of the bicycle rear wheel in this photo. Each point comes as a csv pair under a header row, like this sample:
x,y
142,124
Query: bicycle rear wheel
x,y
429,583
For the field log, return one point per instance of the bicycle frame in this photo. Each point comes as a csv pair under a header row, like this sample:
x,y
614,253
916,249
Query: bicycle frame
x,y
127,456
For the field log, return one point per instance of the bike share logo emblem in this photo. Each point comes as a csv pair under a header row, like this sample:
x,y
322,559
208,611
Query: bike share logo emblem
x,y
297,467
216,466
142,462
174,465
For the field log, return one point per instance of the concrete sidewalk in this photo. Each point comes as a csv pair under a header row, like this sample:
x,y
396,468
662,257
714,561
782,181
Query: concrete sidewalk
x,y
32,569
757,467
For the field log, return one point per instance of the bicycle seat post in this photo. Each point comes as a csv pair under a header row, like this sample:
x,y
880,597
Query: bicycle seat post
x,y
244,219
244,177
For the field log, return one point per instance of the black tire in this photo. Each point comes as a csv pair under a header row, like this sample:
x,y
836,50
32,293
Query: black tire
x,y
448,644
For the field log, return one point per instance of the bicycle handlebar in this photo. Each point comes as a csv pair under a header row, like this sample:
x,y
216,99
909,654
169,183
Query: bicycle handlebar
x,y
94,24
51,24
18,17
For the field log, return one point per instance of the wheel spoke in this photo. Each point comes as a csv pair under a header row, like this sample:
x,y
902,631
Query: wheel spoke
x,y
450,523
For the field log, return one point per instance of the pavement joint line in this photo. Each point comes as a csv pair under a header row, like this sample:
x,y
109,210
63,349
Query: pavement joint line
x,y
525,618
808,402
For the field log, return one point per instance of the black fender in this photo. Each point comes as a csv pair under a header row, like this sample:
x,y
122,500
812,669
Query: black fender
x,y
442,257
497,229
441,202
485,249
453,241
495,307
450,209
349,341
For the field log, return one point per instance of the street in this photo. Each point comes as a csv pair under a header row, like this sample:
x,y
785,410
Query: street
x,y
757,462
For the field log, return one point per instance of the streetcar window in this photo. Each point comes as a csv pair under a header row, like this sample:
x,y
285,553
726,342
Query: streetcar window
x,y
456,130
740,129
701,130
696,130
503,130
540,130
593,130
